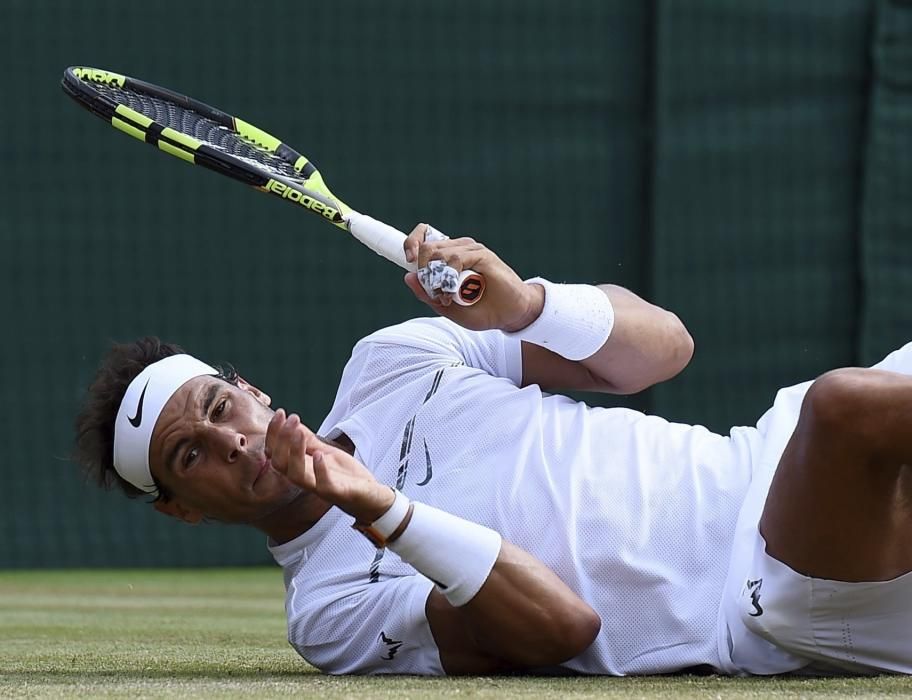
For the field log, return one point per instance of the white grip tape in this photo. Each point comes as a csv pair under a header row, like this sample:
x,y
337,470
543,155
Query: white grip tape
x,y
387,241
381,238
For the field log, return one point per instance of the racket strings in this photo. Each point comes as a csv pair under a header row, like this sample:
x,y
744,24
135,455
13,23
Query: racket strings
x,y
199,127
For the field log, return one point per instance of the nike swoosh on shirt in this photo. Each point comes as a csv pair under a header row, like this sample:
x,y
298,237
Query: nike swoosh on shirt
x,y
136,420
402,471
430,467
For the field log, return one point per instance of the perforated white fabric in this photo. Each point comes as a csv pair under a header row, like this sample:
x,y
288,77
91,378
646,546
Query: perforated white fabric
x,y
836,616
634,513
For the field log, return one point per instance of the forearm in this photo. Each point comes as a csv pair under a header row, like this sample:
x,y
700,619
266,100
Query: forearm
x,y
586,343
602,338
494,606
525,616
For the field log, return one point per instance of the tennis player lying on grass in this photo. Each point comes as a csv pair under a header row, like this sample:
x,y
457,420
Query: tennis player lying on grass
x,y
497,526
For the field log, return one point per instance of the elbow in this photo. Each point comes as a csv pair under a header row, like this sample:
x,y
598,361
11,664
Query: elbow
x,y
670,352
681,345
686,352
576,633
585,631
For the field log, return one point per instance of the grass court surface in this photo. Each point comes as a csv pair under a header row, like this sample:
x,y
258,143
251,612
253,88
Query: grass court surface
x,y
221,633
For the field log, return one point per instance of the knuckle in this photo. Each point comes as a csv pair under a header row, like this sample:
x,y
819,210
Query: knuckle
x,y
452,258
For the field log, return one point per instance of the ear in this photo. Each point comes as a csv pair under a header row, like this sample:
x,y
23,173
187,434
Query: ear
x,y
260,396
176,510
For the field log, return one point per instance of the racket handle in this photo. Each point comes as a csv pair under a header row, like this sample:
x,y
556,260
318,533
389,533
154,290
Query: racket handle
x,y
387,241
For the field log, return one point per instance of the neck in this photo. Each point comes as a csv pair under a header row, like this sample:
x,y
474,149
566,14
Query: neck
x,y
294,518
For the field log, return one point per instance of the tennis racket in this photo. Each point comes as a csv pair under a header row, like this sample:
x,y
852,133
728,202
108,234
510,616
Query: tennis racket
x,y
203,135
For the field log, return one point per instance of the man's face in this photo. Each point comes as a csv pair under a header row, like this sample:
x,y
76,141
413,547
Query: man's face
x,y
207,450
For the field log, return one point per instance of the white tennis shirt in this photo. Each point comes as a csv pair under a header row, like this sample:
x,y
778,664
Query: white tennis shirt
x,y
635,514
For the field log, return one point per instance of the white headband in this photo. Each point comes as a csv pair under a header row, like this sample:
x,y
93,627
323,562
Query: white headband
x,y
139,410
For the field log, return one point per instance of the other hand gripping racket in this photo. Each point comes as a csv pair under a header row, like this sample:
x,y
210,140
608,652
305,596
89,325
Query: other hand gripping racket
x,y
200,134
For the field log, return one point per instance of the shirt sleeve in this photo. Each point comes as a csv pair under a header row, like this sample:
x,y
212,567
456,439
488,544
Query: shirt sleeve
x,y
375,628
393,357
490,351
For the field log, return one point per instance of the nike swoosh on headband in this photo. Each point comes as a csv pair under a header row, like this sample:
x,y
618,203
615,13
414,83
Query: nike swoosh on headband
x,y
136,420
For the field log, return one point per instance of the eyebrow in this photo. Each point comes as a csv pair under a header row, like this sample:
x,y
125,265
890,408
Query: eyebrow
x,y
211,393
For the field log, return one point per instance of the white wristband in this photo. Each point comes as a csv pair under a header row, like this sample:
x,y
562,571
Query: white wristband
x,y
575,322
456,554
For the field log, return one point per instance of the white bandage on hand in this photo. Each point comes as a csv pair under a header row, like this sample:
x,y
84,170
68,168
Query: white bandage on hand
x,y
437,276
575,322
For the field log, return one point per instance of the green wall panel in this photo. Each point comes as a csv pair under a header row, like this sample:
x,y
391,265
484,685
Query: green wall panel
x,y
760,116
886,234
740,163
518,122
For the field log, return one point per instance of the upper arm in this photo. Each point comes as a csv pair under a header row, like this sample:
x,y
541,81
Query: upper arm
x,y
647,345
553,372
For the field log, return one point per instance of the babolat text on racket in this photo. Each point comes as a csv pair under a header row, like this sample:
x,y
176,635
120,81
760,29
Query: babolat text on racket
x,y
203,135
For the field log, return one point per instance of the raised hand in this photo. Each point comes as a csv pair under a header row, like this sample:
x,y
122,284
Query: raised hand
x,y
508,303
325,470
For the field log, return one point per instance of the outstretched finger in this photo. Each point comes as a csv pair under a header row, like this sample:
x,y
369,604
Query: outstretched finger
x,y
281,448
275,424
300,463
413,242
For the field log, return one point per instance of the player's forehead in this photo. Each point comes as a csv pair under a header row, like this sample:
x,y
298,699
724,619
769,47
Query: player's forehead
x,y
185,405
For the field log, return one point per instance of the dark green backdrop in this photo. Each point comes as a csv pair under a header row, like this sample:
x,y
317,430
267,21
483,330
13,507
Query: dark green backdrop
x,y
744,163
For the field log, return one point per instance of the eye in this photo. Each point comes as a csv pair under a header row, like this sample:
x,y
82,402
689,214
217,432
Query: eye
x,y
220,408
190,456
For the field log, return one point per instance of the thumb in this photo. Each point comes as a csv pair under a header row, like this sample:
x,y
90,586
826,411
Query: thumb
x,y
321,470
326,463
411,281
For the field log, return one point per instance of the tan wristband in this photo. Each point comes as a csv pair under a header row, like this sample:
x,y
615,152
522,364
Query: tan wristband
x,y
389,526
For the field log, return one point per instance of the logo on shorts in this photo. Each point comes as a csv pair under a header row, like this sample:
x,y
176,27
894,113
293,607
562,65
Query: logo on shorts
x,y
392,646
754,588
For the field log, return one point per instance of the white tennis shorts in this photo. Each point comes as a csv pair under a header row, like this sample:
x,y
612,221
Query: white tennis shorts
x,y
775,620
839,627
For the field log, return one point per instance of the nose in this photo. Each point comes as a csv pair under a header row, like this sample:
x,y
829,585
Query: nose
x,y
233,444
